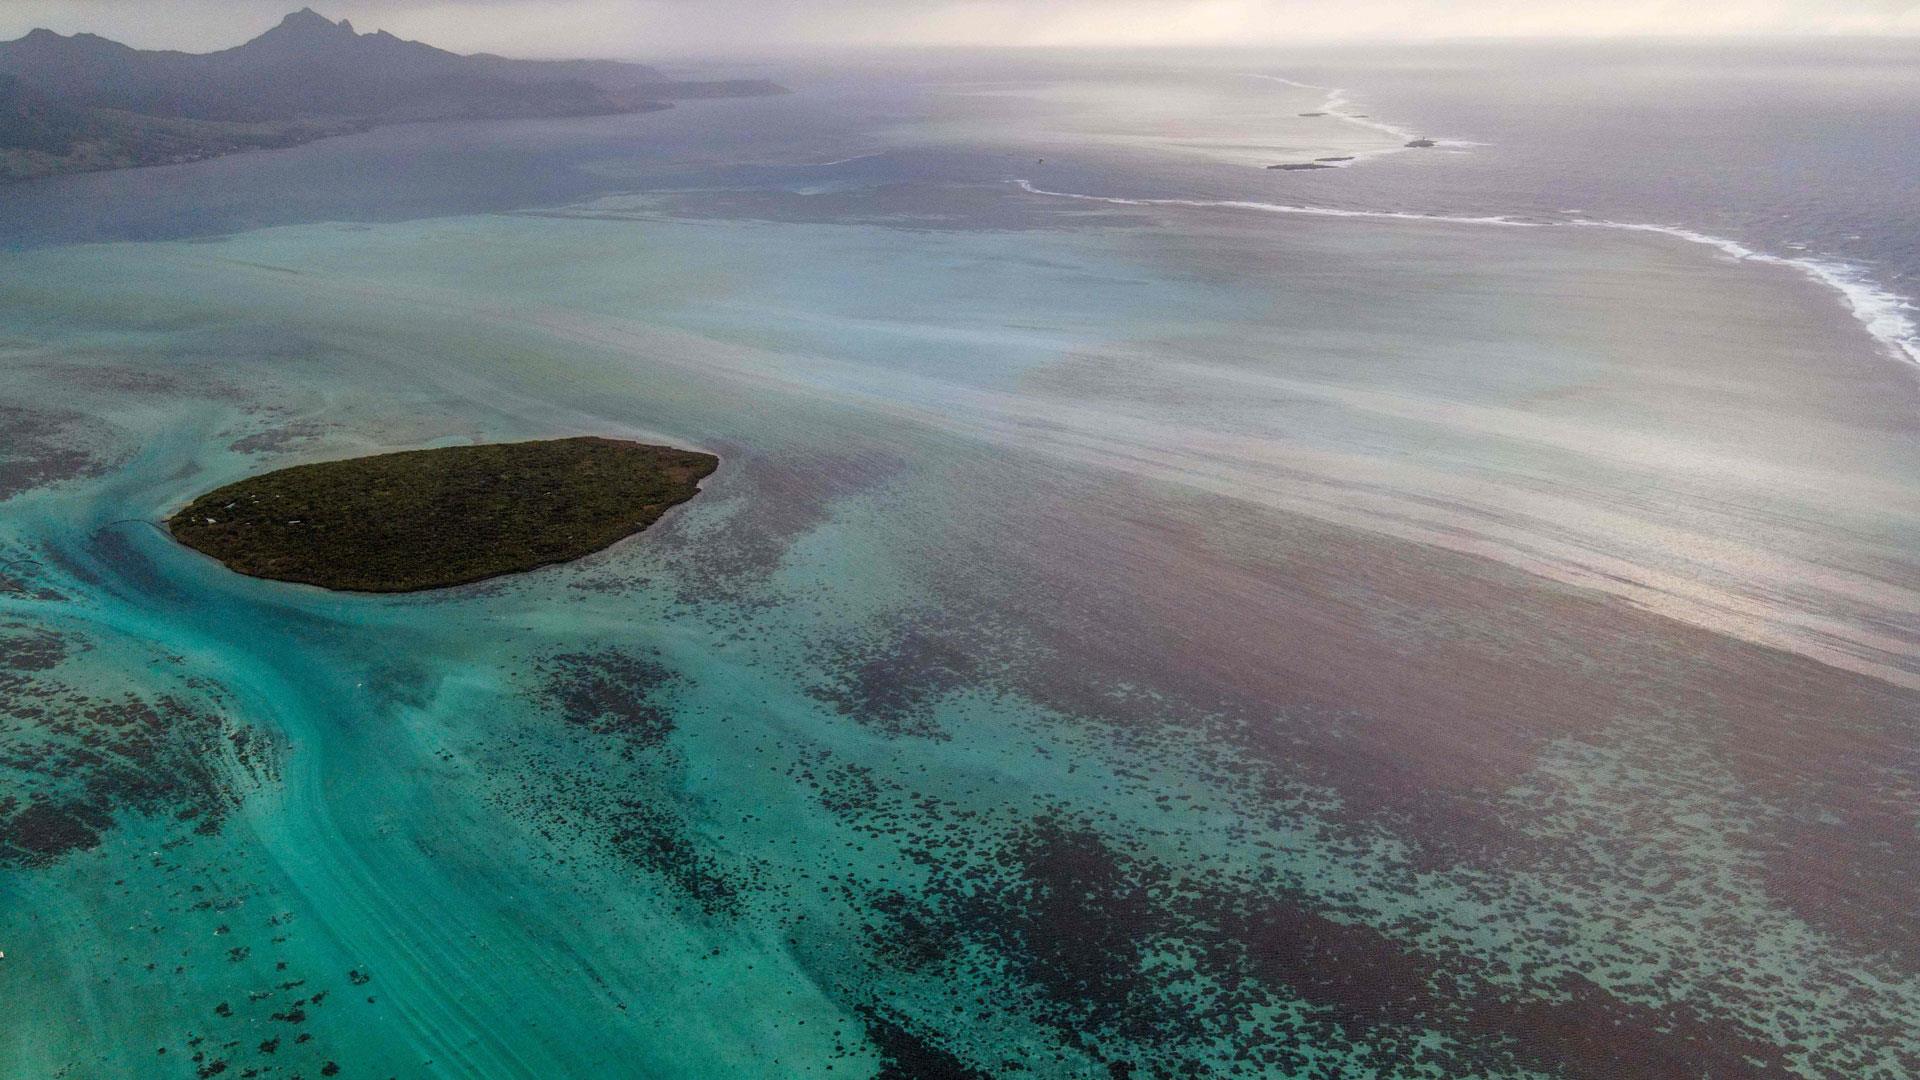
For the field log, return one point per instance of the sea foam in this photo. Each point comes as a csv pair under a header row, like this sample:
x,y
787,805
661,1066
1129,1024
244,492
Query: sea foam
x,y
1889,317
1335,105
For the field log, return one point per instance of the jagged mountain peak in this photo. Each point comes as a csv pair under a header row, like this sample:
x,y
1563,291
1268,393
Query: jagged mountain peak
x,y
308,28
44,56
308,19
307,35
45,38
307,67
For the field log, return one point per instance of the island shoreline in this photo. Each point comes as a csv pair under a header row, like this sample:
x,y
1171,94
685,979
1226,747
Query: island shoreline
x,y
560,524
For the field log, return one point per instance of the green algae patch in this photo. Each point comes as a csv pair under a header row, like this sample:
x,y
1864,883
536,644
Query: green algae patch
x,y
429,519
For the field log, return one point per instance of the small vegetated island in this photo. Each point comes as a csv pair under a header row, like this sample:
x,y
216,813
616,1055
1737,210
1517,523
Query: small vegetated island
x,y
429,519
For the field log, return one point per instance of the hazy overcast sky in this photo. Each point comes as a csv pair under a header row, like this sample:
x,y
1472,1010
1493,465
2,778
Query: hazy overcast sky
x,y
639,27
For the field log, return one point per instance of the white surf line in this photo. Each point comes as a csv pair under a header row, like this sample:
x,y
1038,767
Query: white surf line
x,y
1890,318
1334,105
1281,208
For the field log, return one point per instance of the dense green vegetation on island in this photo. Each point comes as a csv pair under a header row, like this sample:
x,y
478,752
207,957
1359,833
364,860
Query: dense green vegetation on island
x,y
71,103
428,519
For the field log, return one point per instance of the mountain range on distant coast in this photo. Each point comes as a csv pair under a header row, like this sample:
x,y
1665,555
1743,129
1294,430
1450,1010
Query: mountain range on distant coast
x,y
81,102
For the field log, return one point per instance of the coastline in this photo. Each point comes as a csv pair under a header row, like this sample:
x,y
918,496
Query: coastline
x,y
295,133
1342,605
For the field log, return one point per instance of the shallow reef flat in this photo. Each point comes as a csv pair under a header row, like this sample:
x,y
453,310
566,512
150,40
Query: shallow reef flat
x,y
1175,659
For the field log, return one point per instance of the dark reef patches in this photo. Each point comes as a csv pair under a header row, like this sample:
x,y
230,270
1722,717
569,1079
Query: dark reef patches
x,y
42,831
155,777
252,1016
28,649
72,764
1147,968
1412,869
736,540
612,693
657,840
892,682
39,448
907,1056
279,439
1064,926
1074,917
20,577
1361,981
623,804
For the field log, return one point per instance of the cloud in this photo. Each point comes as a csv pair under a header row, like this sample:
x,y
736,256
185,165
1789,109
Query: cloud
x,y
652,27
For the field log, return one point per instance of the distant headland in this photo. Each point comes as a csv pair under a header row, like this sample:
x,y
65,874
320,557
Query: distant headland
x,y
429,519
81,102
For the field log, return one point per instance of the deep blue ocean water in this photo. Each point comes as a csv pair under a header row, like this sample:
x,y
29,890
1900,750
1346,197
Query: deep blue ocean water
x,y
1453,613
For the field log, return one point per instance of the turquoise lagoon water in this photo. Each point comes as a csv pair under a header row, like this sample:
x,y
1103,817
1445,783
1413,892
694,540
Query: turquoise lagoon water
x,y
1122,638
